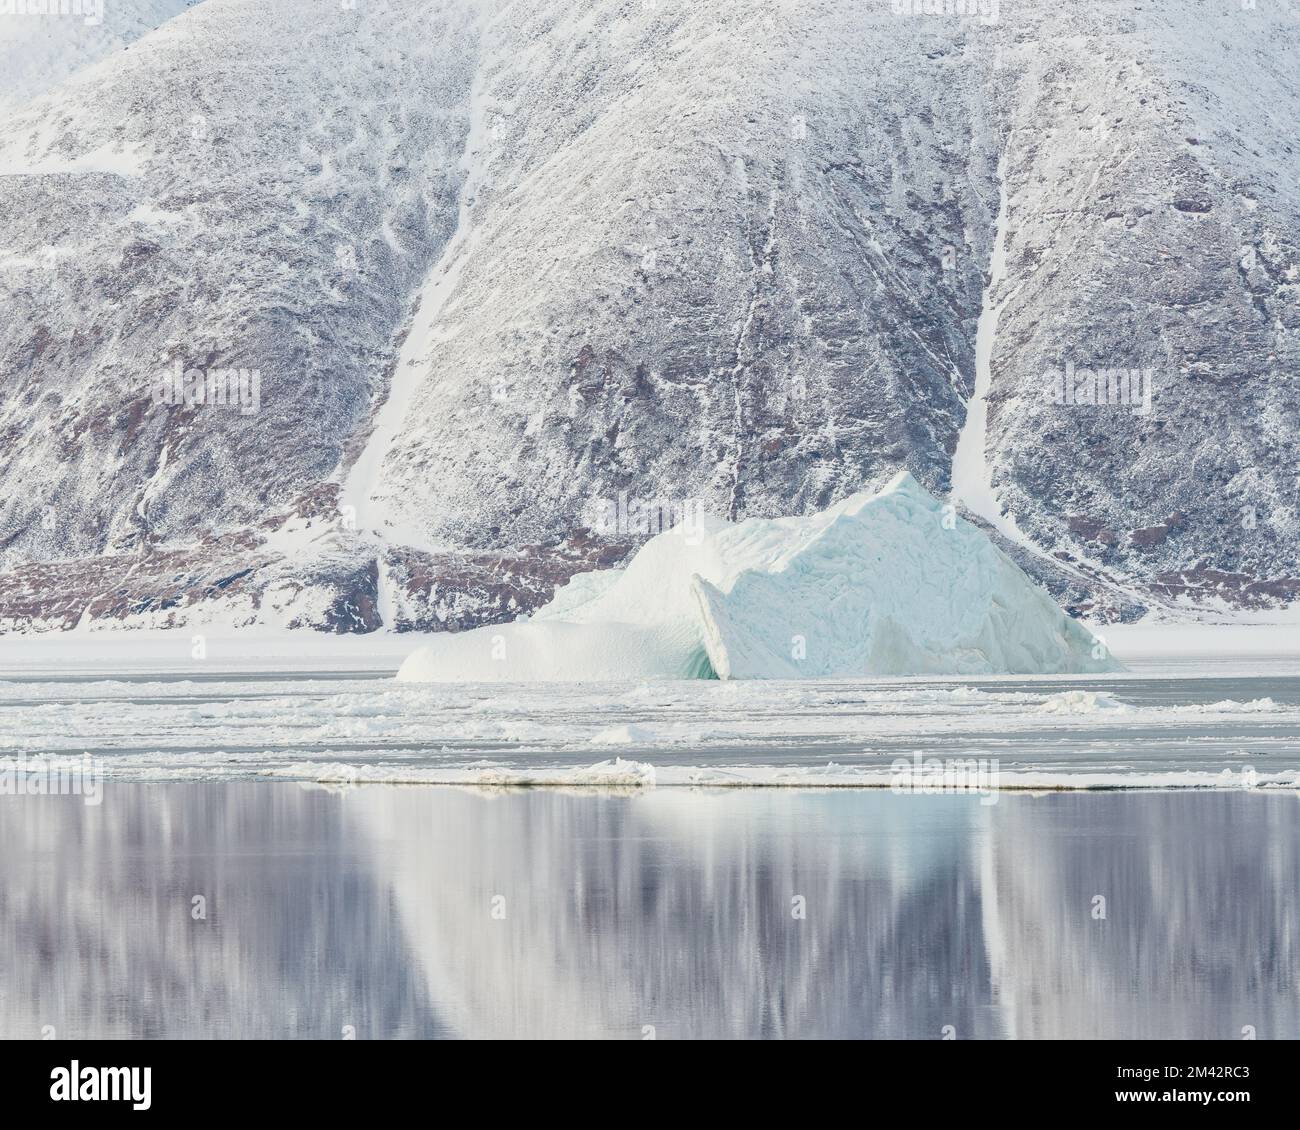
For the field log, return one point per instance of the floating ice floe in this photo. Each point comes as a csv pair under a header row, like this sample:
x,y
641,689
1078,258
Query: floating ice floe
x,y
890,583
1082,702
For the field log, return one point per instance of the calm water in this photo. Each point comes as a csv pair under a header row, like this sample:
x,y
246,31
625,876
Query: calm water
x,y
430,911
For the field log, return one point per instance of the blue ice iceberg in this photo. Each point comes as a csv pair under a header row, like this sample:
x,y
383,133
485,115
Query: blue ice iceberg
x,y
885,583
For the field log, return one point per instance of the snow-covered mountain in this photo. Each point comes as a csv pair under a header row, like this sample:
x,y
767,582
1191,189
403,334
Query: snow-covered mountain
x,y
494,285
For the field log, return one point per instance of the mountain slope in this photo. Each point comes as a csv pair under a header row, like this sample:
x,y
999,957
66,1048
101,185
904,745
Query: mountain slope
x,y
1154,225
275,217
697,270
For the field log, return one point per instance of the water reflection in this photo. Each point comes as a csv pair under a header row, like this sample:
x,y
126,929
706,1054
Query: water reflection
x,y
429,912
102,936
1202,930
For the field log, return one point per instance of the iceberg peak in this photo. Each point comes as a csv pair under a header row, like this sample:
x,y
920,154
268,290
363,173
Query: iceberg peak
x,y
902,487
905,483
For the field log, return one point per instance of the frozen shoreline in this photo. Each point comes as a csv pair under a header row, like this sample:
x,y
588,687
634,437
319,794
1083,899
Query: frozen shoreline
x,y
1147,649
1199,730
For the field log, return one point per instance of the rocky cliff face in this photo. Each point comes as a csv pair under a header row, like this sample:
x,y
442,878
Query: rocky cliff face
x,y
1152,208
490,288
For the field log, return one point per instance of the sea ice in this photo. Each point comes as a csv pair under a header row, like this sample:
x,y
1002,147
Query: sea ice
x,y
890,583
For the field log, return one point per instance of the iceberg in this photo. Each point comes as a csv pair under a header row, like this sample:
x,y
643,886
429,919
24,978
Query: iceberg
x,y
884,583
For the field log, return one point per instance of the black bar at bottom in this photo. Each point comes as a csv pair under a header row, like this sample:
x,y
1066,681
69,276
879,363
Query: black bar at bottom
x,y
333,1079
